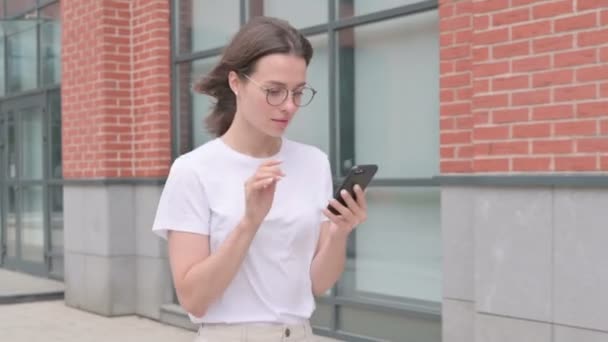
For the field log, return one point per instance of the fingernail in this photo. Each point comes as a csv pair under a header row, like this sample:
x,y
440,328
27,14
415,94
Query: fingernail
x,y
343,192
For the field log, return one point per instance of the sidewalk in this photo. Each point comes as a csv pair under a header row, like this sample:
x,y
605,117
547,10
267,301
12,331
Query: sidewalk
x,y
56,322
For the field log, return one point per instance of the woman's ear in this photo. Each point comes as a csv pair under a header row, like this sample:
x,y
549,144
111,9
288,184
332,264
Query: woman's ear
x,y
234,82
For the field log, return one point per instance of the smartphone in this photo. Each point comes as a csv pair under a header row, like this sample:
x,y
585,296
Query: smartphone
x,y
358,174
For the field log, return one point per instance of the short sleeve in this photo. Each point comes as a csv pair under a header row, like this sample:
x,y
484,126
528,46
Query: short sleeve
x,y
183,204
328,186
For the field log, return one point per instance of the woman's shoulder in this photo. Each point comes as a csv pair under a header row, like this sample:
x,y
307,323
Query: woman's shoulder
x,y
196,159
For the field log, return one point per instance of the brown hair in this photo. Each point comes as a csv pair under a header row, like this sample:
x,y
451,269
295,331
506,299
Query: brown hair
x,y
261,36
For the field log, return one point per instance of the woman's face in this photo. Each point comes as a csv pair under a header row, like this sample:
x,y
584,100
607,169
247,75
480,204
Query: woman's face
x,y
273,75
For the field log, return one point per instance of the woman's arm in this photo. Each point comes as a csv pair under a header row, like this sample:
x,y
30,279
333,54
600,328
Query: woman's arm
x,y
201,277
330,257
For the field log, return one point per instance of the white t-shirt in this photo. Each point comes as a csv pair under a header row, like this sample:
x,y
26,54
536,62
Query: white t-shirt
x,y
204,193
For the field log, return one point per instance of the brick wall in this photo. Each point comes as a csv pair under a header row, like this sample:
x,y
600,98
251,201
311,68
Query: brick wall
x,y
524,86
115,88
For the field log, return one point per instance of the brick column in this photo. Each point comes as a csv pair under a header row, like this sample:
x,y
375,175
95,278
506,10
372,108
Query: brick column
x,y
524,91
116,124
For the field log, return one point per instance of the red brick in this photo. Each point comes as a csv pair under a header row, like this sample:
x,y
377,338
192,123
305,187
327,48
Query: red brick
x,y
531,164
464,7
604,54
463,37
532,64
604,18
447,152
576,163
552,9
552,147
446,67
456,166
481,86
592,145
604,90
511,50
551,78
446,123
515,3
455,81
465,122
455,52
604,163
531,97
575,58
458,108
446,10
578,22
511,17
455,137
510,115
491,133
490,6
464,94
510,83
446,39
455,23
501,148
576,128
481,118
552,112
583,5
446,96
604,127
592,109
481,54
593,37
535,130
551,44
575,93
491,37
464,151
490,69
491,165
594,73
490,101
481,22
534,29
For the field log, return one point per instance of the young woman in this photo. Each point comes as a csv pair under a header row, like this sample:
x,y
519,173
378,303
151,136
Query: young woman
x,y
250,239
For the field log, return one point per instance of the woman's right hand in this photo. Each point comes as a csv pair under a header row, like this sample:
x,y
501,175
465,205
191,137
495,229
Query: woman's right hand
x,y
259,191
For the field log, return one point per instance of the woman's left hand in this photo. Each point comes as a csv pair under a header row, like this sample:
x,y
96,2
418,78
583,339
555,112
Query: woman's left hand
x,y
351,215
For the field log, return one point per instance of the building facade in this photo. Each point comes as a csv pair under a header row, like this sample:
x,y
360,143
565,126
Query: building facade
x,y
488,119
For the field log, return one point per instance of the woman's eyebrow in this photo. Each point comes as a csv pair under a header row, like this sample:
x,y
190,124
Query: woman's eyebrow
x,y
285,85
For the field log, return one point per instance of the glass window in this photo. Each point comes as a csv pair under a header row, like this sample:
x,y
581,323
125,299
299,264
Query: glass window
x,y
349,8
32,224
395,95
311,123
21,53
11,222
299,13
56,217
31,143
2,74
50,44
397,252
206,24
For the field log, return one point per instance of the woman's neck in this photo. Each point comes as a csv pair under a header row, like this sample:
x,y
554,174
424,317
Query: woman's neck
x,y
245,139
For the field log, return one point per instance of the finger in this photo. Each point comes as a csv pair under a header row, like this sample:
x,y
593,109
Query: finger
x,y
350,201
346,213
275,169
336,219
361,200
271,162
264,175
264,183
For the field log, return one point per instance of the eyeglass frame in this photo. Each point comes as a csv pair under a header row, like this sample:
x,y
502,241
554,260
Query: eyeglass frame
x,y
267,91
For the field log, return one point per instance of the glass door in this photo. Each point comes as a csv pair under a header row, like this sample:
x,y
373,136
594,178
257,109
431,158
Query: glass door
x,y
23,187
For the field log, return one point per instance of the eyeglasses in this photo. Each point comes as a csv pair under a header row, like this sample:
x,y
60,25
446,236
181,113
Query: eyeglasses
x,y
277,96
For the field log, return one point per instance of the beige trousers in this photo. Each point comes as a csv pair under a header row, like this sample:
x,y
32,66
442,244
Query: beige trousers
x,y
255,333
